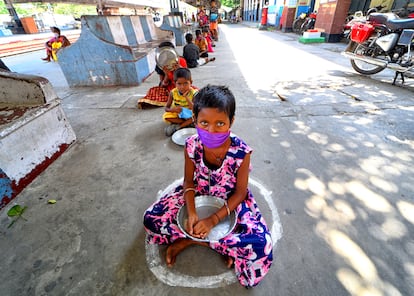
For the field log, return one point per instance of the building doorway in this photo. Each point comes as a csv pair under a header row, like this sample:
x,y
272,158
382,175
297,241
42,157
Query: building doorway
x,y
357,5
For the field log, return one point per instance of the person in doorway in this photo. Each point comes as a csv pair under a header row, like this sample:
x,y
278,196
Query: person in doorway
x,y
55,44
217,164
214,19
191,53
178,110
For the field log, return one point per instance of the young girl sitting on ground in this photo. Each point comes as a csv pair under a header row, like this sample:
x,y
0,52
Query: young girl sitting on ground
x,y
202,44
217,164
209,39
180,102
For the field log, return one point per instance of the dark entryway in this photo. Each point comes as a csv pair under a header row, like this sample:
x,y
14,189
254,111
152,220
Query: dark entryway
x,y
357,5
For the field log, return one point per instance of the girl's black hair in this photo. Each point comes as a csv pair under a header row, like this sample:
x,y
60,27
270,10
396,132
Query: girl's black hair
x,y
198,32
166,44
215,96
55,29
182,73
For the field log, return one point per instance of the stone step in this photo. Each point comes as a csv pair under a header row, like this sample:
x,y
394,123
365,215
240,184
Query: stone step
x,y
34,131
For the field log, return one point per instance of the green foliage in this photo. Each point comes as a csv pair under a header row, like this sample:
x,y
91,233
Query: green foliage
x,y
3,9
76,10
230,3
16,212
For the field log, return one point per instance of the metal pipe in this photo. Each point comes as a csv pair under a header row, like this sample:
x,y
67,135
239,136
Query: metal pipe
x,y
385,64
366,59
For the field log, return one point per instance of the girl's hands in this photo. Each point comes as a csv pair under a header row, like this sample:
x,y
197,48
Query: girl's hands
x,y
192,220
203,227
199,228
176,109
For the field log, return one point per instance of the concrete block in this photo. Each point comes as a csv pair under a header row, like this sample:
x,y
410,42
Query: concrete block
x,y
34,132
113,50
24,90
311,34
312,40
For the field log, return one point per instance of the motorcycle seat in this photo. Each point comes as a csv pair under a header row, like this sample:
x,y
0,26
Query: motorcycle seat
x,y
381,18
391,20
400,24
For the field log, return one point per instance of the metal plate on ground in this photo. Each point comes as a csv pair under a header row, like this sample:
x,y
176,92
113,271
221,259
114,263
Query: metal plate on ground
x,y
181,135
206,206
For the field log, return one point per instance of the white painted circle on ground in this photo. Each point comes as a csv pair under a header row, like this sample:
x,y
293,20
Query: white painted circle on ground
x,y
176,279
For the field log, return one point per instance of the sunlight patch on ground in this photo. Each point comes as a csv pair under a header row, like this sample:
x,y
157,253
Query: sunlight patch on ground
x,y
337,188
311,183
383,184
354,284
318,138
352,253
267,61
374,165
407,210
369,198
393,228
409,269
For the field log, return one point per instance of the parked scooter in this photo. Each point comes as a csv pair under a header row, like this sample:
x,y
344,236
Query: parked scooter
x,y
383,41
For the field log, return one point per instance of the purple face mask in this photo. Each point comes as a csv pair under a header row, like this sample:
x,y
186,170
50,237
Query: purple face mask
x,y
212,140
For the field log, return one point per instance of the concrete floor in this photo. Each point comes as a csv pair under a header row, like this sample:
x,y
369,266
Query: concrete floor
x,y
332,172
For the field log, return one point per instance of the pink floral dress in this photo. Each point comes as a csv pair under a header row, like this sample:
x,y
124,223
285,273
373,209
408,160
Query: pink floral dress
x,y
250,243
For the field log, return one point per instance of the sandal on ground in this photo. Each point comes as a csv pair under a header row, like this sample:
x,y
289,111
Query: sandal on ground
x,y
171,129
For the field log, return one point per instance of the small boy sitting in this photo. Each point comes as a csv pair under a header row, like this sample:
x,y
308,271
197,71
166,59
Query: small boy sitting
x,y
178,110
191,53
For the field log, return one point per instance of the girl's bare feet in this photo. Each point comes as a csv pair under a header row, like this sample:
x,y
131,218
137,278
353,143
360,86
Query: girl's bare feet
x,y
177,247
229,261
174,249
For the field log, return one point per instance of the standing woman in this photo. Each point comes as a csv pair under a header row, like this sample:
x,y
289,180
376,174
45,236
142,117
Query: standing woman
x,y
55,44
214,18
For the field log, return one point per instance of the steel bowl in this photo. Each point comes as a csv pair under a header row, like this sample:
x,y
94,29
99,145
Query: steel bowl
x,y
181,135
205,206
166,57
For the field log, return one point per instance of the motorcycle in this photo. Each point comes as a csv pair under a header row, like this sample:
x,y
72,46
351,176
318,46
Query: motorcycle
x,y
358,16
309,22
383,41
298,22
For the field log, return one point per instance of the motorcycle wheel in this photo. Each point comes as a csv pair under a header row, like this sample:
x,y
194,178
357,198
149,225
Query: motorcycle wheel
x,y
296,25
364,67
307,25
